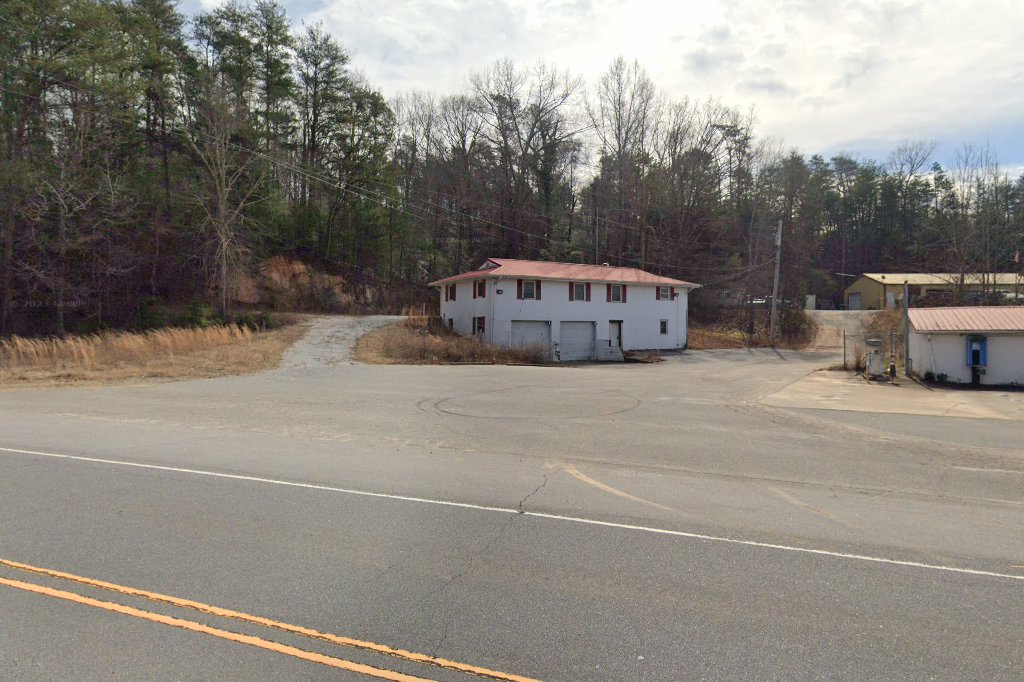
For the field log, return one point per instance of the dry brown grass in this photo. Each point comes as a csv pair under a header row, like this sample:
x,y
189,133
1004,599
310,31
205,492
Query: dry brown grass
x,y
713,337
709,338
419,341
163,354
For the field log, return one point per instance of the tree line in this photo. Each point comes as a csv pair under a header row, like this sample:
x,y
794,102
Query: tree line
x,y
149,156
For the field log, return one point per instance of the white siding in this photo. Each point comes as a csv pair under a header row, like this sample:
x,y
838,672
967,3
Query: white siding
x,y
641,314
947,354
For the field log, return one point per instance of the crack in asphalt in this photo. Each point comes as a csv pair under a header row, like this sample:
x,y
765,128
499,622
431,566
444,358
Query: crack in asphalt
x,y
502,529
535,491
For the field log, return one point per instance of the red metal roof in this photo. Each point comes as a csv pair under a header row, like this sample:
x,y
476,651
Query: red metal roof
x,y
535,269
968,319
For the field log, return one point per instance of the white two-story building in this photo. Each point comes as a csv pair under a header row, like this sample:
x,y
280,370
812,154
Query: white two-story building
x,y
573,311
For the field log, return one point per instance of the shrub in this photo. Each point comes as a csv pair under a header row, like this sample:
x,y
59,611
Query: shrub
x,y
152,313
199,314
256,321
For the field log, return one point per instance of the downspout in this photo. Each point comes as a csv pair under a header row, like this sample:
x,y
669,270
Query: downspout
x,y
490,327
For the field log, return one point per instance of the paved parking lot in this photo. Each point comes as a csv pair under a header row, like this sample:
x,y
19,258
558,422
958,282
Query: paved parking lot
x,y
831,390
638,521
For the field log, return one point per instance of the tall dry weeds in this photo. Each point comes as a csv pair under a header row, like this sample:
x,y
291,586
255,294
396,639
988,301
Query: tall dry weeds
x,y
109,349
419,340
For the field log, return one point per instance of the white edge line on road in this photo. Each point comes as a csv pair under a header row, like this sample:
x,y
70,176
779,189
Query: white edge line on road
x,y
540,515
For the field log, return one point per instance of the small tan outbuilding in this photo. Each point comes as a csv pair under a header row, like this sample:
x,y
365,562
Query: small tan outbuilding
x,y
881,291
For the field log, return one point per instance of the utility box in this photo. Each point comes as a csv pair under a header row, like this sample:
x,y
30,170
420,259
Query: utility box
x,y
875,361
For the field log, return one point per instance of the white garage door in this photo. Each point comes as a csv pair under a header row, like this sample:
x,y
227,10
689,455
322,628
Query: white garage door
x,y
531,333
576,341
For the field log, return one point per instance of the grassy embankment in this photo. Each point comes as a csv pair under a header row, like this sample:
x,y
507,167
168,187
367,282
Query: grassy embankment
x,y
423,341
160,354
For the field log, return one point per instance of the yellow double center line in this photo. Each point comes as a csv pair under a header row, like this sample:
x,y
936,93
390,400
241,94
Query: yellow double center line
x,y
259,642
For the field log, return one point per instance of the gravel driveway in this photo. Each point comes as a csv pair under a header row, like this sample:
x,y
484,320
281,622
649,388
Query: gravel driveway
x,y
331,340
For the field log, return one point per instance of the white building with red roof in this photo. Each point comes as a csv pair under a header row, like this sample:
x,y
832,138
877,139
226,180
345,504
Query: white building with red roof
x,y
980,345
572,311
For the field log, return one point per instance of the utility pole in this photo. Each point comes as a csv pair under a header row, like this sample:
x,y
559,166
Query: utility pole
x,y
907,369
775,285
593,213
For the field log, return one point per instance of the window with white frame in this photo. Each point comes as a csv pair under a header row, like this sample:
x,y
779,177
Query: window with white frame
x,y
664,294
480,288
615,293
529,289
451,293
663,326
479,325
579,291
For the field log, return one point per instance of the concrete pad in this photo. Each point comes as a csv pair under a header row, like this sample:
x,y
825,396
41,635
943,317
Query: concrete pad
x,y
829,390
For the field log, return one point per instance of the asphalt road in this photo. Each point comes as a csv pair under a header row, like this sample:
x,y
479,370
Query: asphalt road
x,y
628,522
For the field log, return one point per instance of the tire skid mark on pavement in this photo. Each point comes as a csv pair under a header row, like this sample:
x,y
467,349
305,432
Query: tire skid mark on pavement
x,y
246,618
537,515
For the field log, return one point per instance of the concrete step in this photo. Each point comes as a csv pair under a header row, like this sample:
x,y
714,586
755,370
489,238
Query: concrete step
x,y
609,354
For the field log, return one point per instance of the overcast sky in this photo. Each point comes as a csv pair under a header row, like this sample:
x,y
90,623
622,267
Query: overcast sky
x,y
823,75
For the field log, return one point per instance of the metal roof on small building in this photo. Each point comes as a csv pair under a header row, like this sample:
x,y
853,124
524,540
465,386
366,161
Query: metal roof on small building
x,y
968,319
951,279
533,269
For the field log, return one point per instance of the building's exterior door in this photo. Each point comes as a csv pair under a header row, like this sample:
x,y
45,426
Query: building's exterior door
x,y
615,333
576,341
531,333
853,301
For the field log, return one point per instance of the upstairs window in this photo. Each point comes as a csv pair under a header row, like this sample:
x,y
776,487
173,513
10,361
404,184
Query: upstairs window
x,y
616,293
528,289
579,291
449,292
480,288
664,294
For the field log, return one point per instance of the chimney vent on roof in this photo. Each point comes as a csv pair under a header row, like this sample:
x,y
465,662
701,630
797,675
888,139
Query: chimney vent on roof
x,y
605,264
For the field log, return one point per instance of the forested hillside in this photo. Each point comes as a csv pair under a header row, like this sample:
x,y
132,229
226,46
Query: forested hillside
x,y
151,156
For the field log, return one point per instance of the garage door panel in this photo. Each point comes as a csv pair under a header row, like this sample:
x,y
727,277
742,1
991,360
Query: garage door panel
x,y
531,333
576,341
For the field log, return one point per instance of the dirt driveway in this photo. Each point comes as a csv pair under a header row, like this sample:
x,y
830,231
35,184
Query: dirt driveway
x,y
832,324
331,340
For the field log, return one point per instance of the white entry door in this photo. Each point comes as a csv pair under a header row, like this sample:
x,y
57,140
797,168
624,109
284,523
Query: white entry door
x,y
615,334
576,341
853,301
531,333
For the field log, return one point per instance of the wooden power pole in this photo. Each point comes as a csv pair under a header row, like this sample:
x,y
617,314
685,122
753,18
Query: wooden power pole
x,y
775,284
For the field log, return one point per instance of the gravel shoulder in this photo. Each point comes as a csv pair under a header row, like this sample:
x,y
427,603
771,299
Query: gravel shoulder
x,y
331,340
